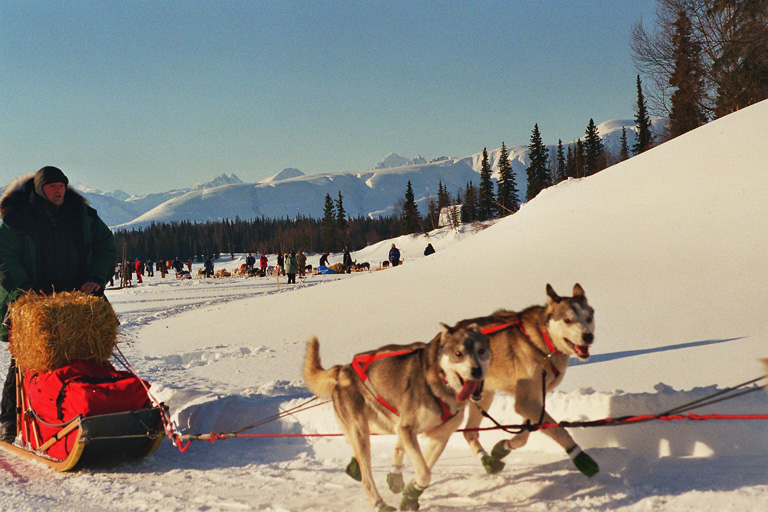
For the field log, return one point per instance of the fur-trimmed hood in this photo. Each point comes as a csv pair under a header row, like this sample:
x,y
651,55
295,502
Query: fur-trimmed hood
x,y
21,193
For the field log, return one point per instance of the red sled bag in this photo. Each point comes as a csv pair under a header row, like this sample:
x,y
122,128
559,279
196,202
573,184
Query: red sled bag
x,y
82,388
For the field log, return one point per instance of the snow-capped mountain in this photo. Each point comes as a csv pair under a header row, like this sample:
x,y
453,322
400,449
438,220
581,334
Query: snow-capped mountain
x,y
395,160
291,192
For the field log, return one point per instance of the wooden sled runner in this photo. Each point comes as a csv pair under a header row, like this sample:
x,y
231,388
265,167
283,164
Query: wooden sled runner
x,y
104,438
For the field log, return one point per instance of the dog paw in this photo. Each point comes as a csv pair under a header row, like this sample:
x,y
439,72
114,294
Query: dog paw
x,y
492,465
385,508
353,470
500,450
395,482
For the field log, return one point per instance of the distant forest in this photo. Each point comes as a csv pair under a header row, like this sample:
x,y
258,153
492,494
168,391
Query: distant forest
x,y
198,240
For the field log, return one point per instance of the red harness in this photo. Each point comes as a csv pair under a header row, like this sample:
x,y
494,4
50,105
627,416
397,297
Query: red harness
x,y
547,340
360,365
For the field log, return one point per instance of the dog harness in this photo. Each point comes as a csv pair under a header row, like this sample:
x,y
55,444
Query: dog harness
x,y
547,340
361,363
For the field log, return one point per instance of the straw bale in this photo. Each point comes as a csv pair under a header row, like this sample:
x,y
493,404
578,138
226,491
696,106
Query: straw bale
x,y
49,331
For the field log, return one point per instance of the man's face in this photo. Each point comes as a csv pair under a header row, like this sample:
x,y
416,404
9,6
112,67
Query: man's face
x,y
54,192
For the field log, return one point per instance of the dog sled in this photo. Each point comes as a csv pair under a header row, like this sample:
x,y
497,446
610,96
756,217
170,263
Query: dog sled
x,y
72,406
84,412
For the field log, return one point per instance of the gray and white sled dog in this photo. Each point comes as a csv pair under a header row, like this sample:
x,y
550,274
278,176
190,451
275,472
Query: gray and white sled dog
x,y
529,346
421,388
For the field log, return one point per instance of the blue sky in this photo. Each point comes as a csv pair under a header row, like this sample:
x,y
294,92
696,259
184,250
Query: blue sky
x,y
146,96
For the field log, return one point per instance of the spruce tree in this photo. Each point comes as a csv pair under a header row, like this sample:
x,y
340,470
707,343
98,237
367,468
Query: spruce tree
x,y
688,80
623,148
341,219
643,123
410,214
593,149
570,163
537,171
485,191
469,208
443,197
560,169
507,199
578,159
433,213
329,225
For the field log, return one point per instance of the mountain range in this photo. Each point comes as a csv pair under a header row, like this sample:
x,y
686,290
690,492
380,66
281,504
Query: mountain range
x,y
292,193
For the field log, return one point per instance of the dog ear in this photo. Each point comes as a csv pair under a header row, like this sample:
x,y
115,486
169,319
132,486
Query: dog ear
x,y
578,291
447,329
473,327
553,297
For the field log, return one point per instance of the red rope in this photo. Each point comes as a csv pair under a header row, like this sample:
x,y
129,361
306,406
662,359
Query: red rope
x,y
606,422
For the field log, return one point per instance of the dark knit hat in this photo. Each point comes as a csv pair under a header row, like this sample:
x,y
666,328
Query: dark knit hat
x,y
46,175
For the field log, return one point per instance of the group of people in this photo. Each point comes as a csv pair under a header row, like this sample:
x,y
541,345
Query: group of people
x,y
140,268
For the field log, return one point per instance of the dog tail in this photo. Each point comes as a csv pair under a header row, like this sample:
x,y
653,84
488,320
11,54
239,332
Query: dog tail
x,y
318,380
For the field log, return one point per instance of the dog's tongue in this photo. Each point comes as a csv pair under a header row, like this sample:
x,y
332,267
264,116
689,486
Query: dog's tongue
x,y
469,389
582,350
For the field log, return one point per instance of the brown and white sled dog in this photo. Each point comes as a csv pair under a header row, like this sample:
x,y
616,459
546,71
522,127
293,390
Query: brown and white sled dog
x,y
529,346
421,388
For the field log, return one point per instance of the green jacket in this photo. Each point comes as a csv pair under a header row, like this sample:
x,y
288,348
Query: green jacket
x,y
18,252
290,264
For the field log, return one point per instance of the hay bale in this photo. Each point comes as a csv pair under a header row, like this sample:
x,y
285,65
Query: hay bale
x,y
49,331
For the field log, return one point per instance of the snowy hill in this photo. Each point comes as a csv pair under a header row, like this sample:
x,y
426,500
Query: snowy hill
x,y
670,247
292,192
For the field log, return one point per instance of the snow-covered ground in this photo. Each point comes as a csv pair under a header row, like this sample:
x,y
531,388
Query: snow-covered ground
x,y
671,248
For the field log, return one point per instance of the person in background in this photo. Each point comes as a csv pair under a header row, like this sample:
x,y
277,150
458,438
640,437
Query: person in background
x,y
263,262
50,240
291,266
301,261
394,256
150,268
346,261
139,266
324,260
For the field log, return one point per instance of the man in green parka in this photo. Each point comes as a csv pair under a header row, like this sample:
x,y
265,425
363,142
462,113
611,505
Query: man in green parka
x,y
50,240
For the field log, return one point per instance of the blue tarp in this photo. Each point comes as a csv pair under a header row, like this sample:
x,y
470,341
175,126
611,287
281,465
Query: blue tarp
x,y
325,270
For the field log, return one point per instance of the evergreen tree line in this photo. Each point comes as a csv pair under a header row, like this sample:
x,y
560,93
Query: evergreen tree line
x,y
197,240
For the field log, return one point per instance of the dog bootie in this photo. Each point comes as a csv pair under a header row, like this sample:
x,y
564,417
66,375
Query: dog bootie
x,y
500,450
411,497
383,507
583,462
353,470
491,464
395,482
